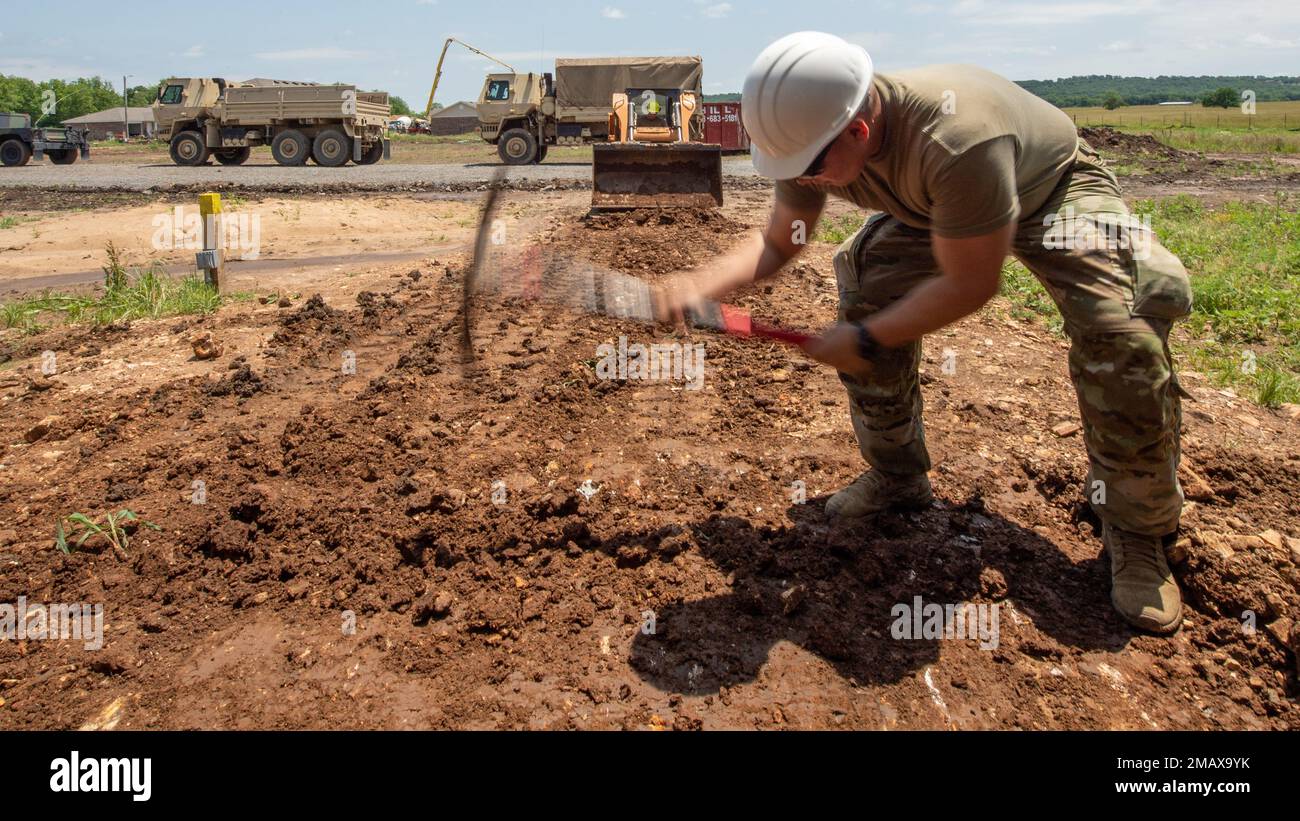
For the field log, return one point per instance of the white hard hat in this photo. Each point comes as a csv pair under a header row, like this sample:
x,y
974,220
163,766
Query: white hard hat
x,y
801,92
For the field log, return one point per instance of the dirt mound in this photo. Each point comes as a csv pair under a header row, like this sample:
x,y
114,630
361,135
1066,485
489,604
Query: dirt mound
x,y
649,241
1131,146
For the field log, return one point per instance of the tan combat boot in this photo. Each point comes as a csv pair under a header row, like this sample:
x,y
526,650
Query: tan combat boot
x,y
876,490
1141,586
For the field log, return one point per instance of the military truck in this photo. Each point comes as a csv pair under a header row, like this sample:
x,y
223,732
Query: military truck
x,y
206,117
524,114
19,142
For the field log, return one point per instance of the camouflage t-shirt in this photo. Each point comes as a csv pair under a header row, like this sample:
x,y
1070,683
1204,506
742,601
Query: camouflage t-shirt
x,y
965,152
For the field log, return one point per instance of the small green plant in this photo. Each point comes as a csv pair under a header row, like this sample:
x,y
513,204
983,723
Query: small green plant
x,y
837,229
9,222
113,531
114,269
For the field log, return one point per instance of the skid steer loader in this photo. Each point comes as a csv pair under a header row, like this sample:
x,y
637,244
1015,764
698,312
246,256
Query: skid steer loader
x,y
651,159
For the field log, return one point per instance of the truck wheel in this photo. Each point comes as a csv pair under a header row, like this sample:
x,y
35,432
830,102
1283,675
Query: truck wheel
x,y
234,156
14,153
290,148
517,147
373,154
188,148
62,156
332,148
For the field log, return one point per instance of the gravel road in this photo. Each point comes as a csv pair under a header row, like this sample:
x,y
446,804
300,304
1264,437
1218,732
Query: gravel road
x,y
381,177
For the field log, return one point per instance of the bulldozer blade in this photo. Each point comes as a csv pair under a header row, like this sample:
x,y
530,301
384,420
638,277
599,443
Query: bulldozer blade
x,y
640,175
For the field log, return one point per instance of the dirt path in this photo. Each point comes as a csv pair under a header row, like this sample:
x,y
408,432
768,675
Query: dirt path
x,y
336,500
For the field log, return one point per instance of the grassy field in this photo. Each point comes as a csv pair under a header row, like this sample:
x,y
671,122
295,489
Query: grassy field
x,y
1274,129
1244,261
1280,115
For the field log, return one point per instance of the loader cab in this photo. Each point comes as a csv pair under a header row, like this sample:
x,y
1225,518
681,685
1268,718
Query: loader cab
x,y
652,115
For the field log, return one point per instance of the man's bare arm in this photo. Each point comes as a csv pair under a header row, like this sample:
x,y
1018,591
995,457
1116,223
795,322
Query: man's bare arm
x,y
760,256
970,270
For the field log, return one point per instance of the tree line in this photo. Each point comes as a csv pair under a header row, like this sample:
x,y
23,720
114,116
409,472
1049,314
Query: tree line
x,y
72,98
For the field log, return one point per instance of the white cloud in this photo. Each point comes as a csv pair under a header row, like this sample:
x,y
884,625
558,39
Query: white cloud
x,y
611,13
193,51
717,11
1038,14
1121,46
1264,41
327,53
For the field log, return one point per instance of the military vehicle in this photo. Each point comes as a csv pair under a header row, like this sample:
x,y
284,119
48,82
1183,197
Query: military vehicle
x,y
19,142
524,114
206,117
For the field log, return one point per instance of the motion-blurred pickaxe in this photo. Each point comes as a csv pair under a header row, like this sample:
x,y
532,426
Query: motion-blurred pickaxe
x,y
548,275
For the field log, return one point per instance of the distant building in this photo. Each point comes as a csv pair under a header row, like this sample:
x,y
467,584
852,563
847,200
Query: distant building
x,y
458,118
1178,102
106,124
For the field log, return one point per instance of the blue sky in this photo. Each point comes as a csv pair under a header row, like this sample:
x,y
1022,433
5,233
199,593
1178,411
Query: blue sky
x,y
393,44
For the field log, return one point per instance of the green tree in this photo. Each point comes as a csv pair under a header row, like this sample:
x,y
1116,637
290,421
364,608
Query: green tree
x,y
1112,101
1220,98
400,108
20,95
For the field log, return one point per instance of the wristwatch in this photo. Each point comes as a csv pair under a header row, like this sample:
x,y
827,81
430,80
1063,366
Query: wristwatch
x,y
868,347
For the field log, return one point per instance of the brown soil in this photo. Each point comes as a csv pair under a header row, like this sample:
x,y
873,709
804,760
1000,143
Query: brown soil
x,y
333,496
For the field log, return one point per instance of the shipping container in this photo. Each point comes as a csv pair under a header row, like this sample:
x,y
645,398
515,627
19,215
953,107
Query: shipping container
x,y
722,126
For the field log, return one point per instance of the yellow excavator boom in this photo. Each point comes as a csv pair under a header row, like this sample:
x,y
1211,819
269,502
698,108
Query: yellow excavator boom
x,y
428,109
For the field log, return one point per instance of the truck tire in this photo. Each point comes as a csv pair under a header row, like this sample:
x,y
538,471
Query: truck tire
x,y
14,153
188,148
517,147
233,156
290,148
62,156
373,154
332,148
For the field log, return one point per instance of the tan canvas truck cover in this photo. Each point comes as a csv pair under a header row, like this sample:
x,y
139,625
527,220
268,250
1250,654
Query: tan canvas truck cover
x,y
591,83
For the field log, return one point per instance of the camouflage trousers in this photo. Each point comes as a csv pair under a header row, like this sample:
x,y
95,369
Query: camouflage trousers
x,y
1119,292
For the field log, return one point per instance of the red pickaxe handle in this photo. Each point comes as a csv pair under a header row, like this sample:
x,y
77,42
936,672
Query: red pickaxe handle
x,y
737,322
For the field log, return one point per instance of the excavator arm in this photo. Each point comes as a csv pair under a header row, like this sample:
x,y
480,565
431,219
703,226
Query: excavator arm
x,y
428,109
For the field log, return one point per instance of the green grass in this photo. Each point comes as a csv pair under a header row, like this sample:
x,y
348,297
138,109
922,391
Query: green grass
x,y
836,230
128,294
10,222
1244,261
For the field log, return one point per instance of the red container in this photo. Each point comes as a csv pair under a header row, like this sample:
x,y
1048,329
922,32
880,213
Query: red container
x,y
722,126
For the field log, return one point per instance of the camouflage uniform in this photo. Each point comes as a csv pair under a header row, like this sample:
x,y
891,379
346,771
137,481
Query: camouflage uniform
x,y
1118,298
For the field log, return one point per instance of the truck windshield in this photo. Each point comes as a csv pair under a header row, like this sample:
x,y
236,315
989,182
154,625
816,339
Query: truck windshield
x,y
498,90
171,95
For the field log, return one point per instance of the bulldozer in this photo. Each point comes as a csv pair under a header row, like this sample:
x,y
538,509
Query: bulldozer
x,y
652,159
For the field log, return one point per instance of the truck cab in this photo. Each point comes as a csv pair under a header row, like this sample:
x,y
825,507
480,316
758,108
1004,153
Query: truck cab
x,y
184,100
515,105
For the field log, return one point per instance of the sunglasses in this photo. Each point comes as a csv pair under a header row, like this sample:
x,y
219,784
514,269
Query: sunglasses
x,y
819,162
